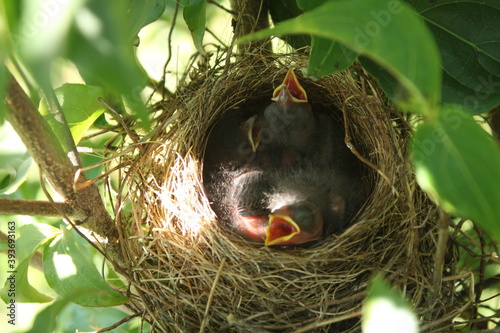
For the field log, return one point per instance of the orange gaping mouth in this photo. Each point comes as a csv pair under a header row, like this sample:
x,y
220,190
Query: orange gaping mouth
x,y
295,89
281,229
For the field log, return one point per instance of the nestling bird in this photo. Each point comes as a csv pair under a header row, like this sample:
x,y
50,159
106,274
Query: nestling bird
x,y
247,208
280,173
308,203
287,124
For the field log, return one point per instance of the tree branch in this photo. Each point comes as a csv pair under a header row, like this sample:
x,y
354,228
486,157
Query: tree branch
x,y
35,208
250,16
85,201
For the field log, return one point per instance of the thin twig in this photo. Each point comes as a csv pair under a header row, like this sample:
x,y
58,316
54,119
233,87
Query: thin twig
x,y
482,263
206,318
119,323
169,46
439,256
120,119
349,144
221,7
333,320
439,321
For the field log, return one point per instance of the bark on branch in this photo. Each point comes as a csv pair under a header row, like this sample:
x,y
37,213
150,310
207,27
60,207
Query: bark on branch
x,y
35,208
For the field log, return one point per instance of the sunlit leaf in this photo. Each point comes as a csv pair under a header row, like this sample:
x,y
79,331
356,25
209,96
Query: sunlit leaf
x,y
143,12
69,269
385,310
15,162
75,317
44,321
373,28
10,12
459,163
80,105
24,291
30,238
95,35
42,34
101,48
13,171
326,56
194,14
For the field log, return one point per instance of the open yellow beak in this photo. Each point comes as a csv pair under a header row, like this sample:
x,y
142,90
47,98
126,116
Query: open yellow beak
x,y
297,92
281,229
253,133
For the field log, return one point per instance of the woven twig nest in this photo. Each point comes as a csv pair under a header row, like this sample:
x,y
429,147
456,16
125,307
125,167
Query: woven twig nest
x,y
190,274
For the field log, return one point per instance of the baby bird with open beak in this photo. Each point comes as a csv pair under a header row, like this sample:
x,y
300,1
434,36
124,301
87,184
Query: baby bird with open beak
x,y
287,123
289,207
295,182
306,204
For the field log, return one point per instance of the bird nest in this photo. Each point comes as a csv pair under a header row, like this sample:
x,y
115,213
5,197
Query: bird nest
x,y
188,273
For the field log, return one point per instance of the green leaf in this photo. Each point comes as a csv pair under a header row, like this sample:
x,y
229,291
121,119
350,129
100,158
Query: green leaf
x,y
143,12
31,237
69,268
93,157
15,162
101,48
307,5
194,14
24,291
472,100
386,81
459,163
466,33
14,169
10,11
45,320
42,34
80,105
373,28
96,36
75,317
385,310
328,57
281,10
